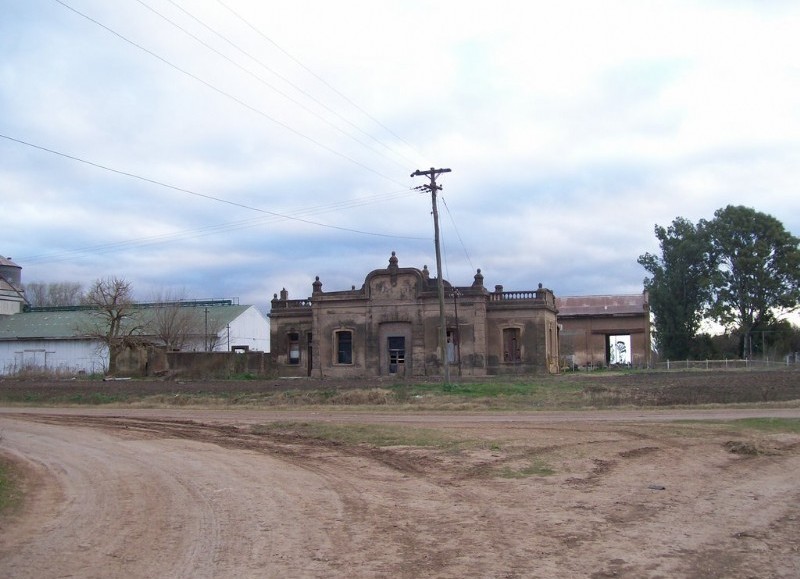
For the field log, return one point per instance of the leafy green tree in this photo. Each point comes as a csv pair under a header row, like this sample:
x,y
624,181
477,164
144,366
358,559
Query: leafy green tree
x,y
759,269
679,285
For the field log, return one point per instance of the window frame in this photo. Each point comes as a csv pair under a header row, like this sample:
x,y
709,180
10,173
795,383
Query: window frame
x,y
453,341
343,357
515,334
292,347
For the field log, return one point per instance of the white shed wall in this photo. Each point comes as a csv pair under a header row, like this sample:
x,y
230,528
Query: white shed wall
x,y
249,329
68,356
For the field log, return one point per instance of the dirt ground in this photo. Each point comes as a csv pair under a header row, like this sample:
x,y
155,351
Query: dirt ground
x,y
196,493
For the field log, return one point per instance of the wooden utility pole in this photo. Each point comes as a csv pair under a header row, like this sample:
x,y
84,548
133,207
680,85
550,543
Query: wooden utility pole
x,y
433,188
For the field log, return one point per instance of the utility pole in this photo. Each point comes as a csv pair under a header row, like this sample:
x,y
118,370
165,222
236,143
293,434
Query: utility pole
x,y
433,188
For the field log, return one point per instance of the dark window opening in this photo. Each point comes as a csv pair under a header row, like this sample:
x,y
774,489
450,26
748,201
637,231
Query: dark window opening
x,y
294,348
397,353
344,347
452,347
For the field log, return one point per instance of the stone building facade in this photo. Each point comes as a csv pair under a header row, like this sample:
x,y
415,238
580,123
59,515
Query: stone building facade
x,y
390,327
605,330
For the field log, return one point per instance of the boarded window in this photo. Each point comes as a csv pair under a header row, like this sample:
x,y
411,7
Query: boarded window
x,y
511,345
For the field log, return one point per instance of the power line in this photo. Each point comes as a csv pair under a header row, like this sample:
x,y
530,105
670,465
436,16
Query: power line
x,y
229,95
289,82
263,81
315,75
455,227
66,254
203,195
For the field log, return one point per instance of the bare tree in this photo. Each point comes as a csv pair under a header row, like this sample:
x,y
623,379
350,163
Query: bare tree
x,y
114,313
173,322
36,293
63,293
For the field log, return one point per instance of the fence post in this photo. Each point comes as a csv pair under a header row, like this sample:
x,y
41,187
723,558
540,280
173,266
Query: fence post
x,y
667,364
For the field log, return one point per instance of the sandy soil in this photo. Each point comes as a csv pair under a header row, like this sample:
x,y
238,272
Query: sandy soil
x,y
190,493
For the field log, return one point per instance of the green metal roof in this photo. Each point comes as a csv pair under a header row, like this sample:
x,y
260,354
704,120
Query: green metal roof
x,y
73,323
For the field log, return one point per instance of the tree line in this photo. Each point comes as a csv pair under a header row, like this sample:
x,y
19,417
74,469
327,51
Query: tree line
x,y
740,269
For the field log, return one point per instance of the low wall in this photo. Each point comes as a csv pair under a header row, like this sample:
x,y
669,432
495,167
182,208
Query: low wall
x,y
210,364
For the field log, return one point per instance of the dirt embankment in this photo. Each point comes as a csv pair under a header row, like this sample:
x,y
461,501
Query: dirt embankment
x,y
597,388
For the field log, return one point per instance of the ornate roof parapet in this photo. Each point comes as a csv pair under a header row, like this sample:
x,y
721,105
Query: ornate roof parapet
x,y
283,302
541,295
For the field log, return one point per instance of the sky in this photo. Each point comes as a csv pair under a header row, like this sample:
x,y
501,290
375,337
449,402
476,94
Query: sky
x,y
232,148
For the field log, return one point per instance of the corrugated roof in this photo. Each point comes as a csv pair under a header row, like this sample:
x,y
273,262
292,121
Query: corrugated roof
x,y
613,305
67,324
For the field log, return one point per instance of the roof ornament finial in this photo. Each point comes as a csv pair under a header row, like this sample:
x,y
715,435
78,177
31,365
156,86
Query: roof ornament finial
x,y
478,279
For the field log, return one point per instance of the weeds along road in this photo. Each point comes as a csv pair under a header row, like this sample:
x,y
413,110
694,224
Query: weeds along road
x,y
238,416
130,493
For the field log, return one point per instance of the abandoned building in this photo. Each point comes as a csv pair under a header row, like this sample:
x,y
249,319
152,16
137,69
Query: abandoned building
x,y
390,327
602,331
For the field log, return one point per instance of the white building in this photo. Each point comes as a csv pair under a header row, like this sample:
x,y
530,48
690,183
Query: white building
x,y
56,340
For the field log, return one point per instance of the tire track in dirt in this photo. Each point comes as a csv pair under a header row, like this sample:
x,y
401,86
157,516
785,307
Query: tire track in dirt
x,y
148,507
217,498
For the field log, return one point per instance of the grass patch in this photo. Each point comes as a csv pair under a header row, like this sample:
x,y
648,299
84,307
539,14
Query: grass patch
x,y
501,393
789,425
770,425
10,491
537,467
494,395
354,434
243,376
94,398
485,389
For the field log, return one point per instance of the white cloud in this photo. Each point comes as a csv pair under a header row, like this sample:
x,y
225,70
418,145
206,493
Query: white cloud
x,y
571,129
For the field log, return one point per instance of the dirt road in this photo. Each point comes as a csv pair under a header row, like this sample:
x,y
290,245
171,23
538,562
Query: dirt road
x,y
190,493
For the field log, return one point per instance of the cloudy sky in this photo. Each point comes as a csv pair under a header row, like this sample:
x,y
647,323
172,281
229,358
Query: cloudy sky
x,y
230,148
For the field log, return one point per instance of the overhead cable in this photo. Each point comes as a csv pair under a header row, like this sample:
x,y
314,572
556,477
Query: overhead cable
x,y
230,96
316,76
464,247
267,84
203,195
291,84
